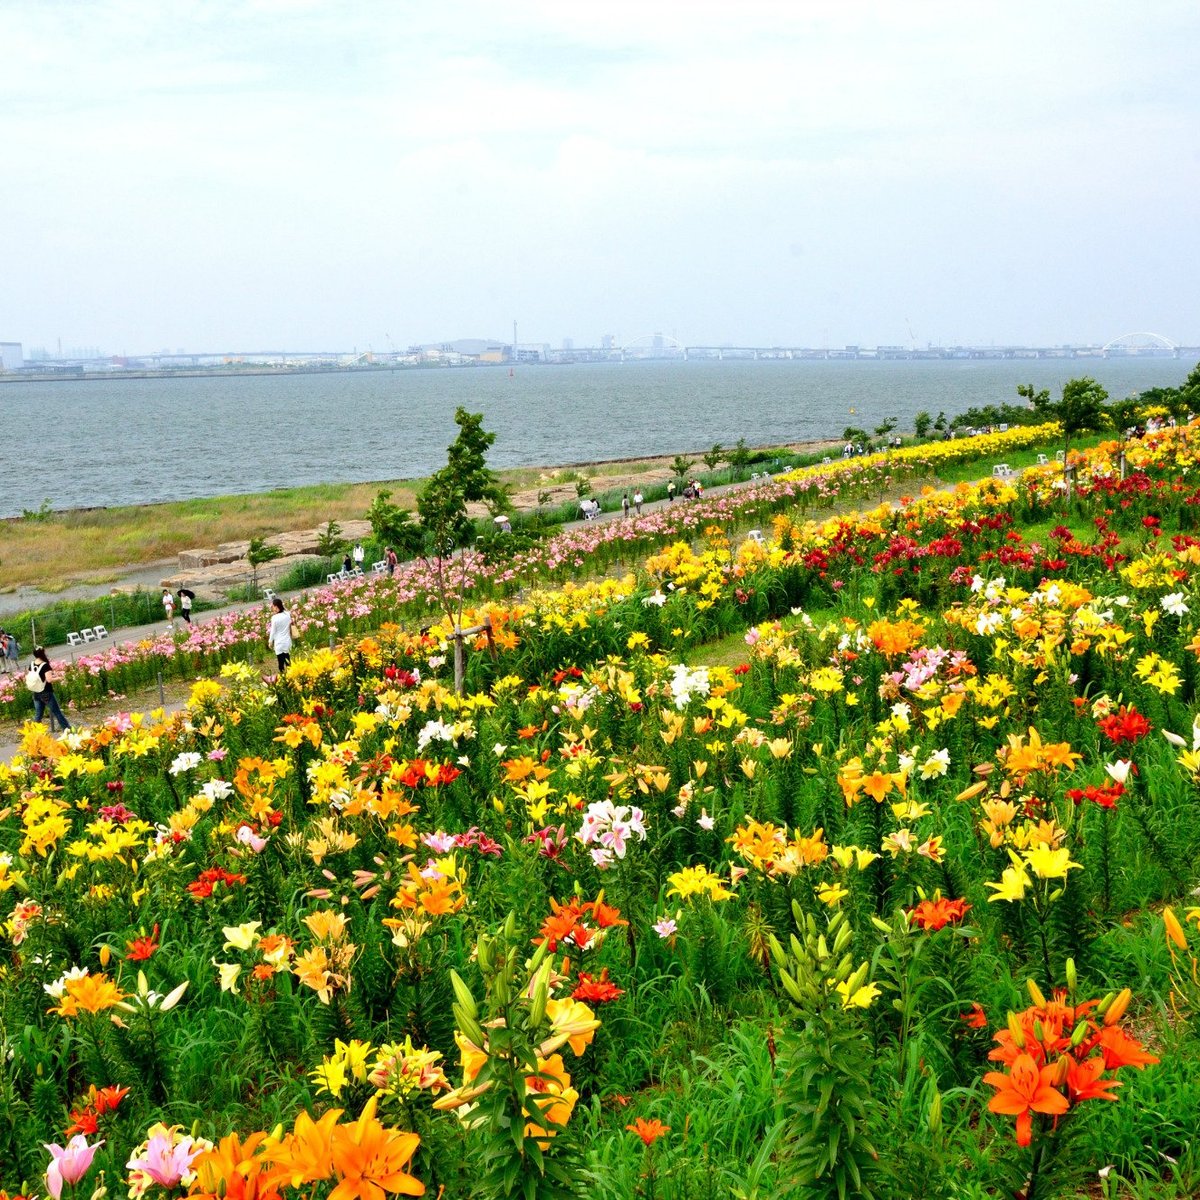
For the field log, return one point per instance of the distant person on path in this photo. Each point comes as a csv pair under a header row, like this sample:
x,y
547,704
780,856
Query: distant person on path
x,y
279,634
360,555
392,561
637,502
185,605
347,565
625,505
43,696
169,605
670,491
9,650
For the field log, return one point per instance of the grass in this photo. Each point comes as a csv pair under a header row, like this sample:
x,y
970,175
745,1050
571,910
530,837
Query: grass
x,y
51,550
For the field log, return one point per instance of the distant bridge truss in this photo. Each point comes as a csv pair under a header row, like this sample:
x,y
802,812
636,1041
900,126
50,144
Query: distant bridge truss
x,y
1141,343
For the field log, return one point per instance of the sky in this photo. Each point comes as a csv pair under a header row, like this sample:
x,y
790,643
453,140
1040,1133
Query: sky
x,y
278,174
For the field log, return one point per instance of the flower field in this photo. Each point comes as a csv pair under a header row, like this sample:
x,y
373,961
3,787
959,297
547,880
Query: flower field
x,y
860,862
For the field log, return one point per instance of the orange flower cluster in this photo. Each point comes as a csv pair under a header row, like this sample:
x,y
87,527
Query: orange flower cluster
x,y
579,922
1057,1055
364,1158
937,912
895,637
96,1103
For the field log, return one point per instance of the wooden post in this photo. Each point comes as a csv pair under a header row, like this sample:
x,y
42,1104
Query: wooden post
x,y
460,650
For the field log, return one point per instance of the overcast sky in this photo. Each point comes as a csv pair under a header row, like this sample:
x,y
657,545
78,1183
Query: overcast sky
x,y
278,174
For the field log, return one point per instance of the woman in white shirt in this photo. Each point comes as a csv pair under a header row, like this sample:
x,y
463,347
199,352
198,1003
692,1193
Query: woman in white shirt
x,y
279,635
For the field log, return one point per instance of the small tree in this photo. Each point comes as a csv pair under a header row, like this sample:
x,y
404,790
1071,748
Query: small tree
x,y
1124,414
260,551
739,457
442,505
885,427
393,526
681,466
330,542
939,426
1081,408
921,423
714,457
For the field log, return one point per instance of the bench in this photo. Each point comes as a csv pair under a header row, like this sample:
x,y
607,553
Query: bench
x,y
1002,471
590,509
380,567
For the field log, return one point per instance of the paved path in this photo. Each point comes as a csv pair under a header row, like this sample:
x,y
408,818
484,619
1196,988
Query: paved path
x,y
138,633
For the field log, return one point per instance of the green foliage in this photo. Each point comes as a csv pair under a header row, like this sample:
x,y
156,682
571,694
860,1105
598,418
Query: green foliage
x,y
330,543
922,423
1080,409
714,457
681,466
393,526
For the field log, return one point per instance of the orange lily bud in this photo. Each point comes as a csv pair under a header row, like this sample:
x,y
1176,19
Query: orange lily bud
x,y
1117,1009
1174,929
1014,1028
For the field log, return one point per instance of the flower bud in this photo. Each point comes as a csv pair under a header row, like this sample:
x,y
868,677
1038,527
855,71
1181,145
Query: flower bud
x,y
1071,977
1014,1028
1035,994
1173,929
1116,1010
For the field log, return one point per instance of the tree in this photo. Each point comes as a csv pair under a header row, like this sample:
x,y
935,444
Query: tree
x,y
739,457
1080,409
465,479
393,526
885,427
921,423
1125,414
681,466
330,542
939,426
713,458
260,551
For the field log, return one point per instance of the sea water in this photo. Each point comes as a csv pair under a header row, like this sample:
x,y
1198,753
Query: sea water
x,y
81,443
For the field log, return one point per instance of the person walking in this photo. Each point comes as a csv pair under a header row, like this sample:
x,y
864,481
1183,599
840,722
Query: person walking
x,y
670,491
347,565
3,652
185,604
169,604
13,651
279,634
637,502
392,561
625,505
38,681
360,555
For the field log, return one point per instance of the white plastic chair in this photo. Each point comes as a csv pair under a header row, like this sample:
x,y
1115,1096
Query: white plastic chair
x,y
100,632
1042,460
756,535
379,567
73,639
333,577
88,635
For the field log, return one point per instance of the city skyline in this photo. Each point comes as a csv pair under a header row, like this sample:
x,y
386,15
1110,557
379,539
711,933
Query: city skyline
x,y
285,172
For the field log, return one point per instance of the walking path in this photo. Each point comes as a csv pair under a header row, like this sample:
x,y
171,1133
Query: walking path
x,y
139,633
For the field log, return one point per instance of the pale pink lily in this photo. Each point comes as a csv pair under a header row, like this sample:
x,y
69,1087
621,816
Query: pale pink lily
x,y
69,1164
164,1161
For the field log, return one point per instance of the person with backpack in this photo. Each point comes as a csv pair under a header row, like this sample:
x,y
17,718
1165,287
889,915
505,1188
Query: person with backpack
x,y
37,680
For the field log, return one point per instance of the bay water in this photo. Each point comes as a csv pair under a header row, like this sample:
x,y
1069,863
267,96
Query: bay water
x,y
86,443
